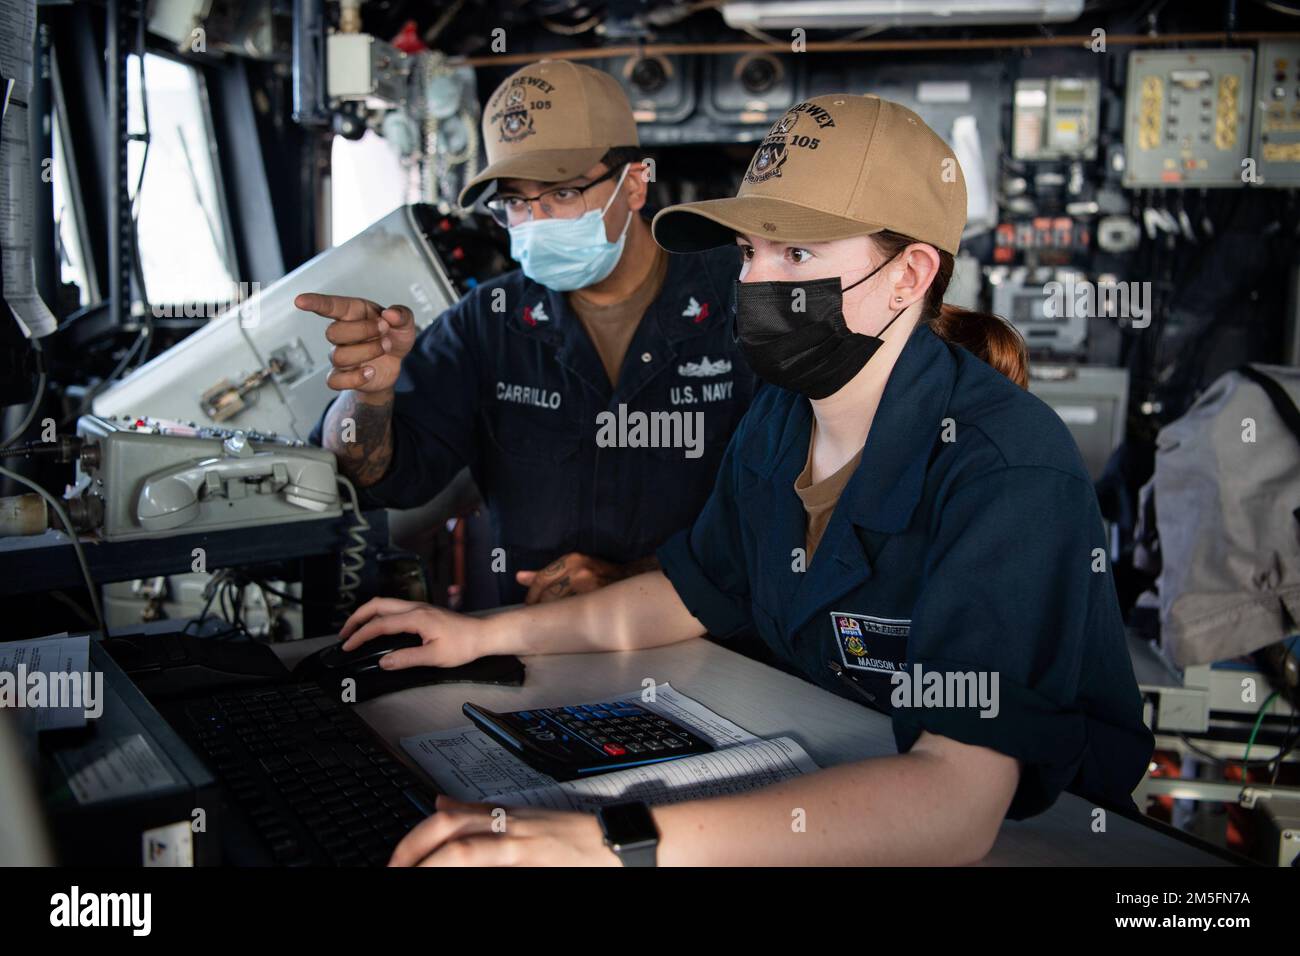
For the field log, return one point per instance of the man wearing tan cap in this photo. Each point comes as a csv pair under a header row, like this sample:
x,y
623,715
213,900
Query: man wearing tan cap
x,y
950,528
591,393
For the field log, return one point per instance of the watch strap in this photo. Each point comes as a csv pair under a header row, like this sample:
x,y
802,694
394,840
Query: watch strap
x,y
638,854
640,851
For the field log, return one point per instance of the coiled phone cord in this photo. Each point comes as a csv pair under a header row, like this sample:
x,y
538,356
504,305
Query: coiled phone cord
x,y
353,559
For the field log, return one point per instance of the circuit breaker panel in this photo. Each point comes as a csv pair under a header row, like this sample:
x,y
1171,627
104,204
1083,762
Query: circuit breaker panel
x,y
1187,118
1275,129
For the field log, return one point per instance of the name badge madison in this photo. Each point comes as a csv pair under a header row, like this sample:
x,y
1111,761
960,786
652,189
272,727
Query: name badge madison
x,y
869,643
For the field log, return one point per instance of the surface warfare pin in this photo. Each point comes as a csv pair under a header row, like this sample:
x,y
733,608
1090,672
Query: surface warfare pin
x,y
536,313
695,310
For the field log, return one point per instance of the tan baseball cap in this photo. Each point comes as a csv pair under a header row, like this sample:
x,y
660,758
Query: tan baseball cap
x,y
551,121
833,167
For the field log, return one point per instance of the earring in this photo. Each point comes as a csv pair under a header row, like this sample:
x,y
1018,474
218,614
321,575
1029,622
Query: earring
x,y
898,298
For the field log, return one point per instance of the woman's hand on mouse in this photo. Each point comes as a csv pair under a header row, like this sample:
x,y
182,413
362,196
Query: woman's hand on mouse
x,y
450,639
478,834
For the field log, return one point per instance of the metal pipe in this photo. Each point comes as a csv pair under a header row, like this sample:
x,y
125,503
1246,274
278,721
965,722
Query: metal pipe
x,y
875,46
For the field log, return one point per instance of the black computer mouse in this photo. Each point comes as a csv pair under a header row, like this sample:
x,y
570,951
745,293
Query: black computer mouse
x,y
335,660
359,674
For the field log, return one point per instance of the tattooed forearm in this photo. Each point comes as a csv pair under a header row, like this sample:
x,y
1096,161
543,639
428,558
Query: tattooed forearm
x,y
360,433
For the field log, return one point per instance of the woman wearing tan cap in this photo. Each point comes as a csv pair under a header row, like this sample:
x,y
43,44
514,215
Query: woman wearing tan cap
x,y
898,518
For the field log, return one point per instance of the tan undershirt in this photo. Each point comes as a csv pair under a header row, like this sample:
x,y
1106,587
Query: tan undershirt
x,y
612,326
819,498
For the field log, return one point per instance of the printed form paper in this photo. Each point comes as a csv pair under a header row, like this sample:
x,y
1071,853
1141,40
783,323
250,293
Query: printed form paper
x,y
469,765
57,654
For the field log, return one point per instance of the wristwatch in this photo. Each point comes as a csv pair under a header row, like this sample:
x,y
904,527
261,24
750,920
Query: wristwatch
x,y
630,832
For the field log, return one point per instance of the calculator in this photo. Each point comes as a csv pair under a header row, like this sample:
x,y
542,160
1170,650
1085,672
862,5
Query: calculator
x,y
569,743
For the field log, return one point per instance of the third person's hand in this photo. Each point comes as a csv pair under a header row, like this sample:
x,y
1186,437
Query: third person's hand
x,y
571,574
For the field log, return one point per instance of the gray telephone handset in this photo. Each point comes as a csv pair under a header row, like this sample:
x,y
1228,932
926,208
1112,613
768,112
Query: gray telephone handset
x,y
170,498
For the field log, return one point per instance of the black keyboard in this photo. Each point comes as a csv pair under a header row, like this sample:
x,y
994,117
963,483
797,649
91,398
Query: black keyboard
x,y
305,774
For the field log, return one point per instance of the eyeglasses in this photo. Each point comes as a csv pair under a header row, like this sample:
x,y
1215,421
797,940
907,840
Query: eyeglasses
x,y
561,202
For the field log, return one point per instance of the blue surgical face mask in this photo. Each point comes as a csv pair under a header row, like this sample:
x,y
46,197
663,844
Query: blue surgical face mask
x,y
568,254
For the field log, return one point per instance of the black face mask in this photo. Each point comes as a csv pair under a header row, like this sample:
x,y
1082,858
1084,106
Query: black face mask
x,y
812,352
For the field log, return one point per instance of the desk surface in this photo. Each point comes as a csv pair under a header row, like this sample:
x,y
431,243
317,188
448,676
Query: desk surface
x,y
768,703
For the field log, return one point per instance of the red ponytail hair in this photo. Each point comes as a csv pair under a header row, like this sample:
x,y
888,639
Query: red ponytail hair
x,y
983,334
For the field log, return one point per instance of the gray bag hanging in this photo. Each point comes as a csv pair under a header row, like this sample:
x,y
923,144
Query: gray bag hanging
x,y
1227,509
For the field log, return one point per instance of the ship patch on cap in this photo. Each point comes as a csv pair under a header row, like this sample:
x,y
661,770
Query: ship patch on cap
x,y
514,118
775,149
771,155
